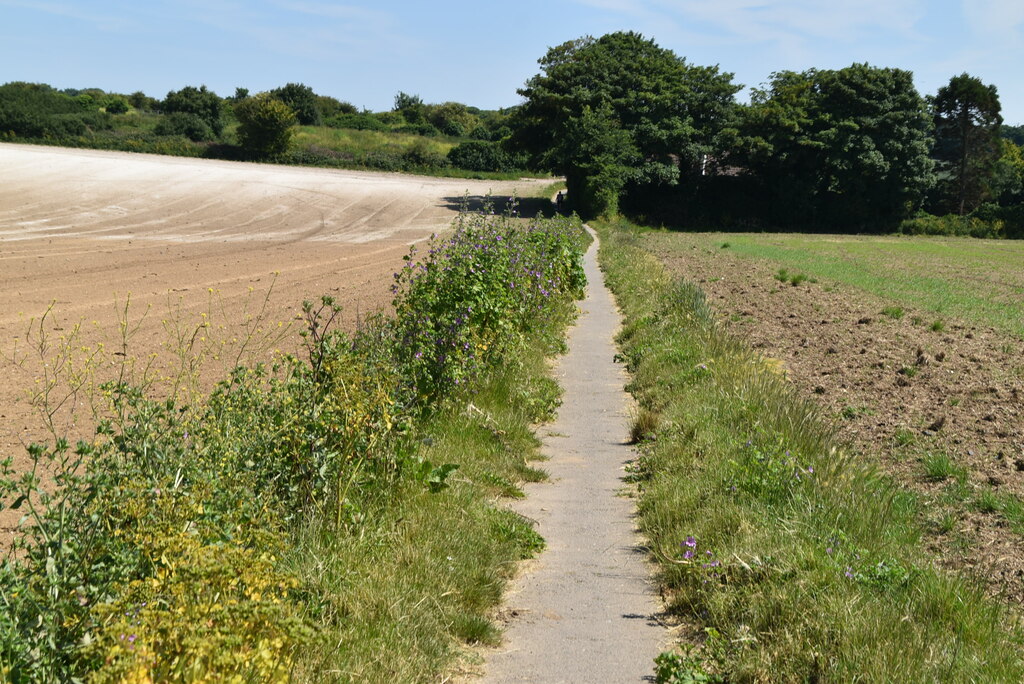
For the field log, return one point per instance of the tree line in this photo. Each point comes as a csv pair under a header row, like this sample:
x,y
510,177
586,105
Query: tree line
x,y
635,128
244,125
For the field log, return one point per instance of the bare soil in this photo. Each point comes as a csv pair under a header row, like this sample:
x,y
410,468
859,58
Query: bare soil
x,y
897,391
82,230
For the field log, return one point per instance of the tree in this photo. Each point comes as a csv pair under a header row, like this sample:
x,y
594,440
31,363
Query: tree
x,y
115,104
141,101
844,147
264,125
967,121
331,107
452,118
302,100
199,101
411,107
653,116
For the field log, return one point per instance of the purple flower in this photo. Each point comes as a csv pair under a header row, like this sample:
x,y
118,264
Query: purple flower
x,y
688,555
691,542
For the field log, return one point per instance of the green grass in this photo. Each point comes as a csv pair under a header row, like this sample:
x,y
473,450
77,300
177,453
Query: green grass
x,y
406,594
349,140
939,467
979,281
807,564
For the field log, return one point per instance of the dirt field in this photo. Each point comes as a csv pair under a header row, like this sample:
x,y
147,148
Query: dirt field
x,y
84,229
942,411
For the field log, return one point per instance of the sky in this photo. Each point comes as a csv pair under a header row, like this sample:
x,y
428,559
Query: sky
x,y
480,52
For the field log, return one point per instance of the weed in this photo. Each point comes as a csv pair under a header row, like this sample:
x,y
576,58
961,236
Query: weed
x,y
643,426
797,279
937,326
916,320
939,467
988,502
903,437
782,276
726,245
893,312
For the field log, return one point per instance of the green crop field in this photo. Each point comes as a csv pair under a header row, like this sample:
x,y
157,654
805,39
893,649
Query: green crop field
x,y
980,281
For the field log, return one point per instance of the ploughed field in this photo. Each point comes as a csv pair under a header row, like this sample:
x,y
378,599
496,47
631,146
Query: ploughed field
x,y
204,257
913,346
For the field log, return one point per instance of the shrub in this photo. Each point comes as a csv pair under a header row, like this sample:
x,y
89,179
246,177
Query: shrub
x,y
199,101
264,125
302,101
952,225
480,156
191,126
421,155
115,104
358,122
33,110
424,129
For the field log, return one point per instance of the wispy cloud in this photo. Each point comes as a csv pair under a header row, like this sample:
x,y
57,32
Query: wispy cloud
x,y
779,21
100,20
284,26
992,19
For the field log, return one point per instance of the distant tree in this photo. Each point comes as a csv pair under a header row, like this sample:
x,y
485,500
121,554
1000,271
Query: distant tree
x,y
411,107
1008,174
330,107
302,100
452,118
967,121
240,94
199,101
140,101
653,115
845,147
115,104
1014,134
36,110
264,125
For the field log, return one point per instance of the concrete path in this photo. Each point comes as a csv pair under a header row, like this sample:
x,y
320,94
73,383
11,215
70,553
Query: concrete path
x,y
584,611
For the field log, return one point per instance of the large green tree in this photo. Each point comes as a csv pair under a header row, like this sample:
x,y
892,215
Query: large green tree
x,y
847,147
967,145
619,111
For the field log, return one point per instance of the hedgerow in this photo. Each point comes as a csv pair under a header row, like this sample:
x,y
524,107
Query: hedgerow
x,y
165,547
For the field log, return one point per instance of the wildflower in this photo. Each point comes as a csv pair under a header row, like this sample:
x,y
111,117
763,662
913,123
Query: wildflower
x,y
688,555
849,572
691,542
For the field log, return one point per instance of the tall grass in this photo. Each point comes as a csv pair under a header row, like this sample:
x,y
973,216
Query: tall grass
x,y
797,561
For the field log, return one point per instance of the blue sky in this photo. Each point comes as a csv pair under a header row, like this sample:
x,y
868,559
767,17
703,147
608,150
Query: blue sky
x,y
480,52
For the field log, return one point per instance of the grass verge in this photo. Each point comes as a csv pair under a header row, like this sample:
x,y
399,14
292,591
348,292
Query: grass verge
x,y
791,559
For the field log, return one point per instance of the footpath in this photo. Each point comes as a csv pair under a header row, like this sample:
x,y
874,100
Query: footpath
x,y
585,611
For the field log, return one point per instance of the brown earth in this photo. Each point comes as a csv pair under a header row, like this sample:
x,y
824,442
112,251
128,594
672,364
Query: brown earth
x,y
84,230
898,391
